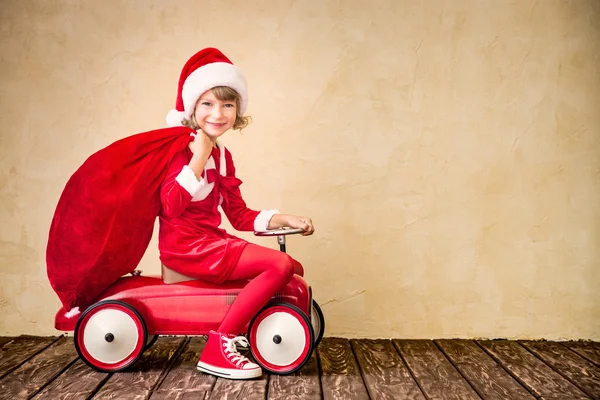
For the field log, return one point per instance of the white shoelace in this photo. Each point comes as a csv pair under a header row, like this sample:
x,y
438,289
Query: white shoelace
x,y
231,350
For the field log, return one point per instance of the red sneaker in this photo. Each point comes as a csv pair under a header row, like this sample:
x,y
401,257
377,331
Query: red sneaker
x,y
220,357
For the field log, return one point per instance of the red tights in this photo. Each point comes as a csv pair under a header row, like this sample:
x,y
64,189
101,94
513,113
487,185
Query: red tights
x,y
269,270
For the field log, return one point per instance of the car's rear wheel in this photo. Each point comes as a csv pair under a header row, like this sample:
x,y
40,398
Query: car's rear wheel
x,y
110,336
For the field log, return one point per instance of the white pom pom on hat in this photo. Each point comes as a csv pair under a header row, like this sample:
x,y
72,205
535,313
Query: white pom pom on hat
x,y
205,70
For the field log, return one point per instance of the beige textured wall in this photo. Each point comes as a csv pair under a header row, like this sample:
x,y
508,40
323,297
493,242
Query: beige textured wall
x,y
448,151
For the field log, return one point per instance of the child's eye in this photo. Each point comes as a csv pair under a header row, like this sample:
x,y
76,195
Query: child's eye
x,y
229,105
206,103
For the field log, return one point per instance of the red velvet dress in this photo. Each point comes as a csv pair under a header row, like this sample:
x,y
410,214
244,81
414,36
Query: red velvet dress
x,y
190,240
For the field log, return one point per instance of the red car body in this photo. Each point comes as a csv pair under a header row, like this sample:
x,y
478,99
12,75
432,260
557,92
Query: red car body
x,y
186,308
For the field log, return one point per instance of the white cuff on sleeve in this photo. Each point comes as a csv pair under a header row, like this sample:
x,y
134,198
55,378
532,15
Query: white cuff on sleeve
x,y
187,180
261,222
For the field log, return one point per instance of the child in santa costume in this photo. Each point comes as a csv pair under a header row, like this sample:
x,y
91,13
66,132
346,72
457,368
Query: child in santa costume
x,y
212,98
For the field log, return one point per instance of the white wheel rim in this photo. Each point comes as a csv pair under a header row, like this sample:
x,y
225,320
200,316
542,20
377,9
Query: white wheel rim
x,y
120,325
315,322
293,339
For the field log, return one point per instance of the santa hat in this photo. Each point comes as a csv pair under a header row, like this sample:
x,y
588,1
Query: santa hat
x,y
206,69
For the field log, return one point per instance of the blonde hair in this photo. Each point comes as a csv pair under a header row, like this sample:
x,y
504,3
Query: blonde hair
x,y
223,93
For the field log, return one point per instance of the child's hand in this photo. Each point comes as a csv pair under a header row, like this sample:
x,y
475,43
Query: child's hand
x,y
301,223
201,145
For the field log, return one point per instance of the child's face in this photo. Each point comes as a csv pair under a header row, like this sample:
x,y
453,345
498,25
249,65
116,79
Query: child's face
x,y
215,117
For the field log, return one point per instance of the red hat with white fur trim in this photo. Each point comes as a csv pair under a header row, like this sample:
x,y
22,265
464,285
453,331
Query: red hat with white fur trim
x,y
205,70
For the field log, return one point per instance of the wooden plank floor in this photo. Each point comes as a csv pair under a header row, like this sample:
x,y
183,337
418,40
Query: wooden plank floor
x,y
49,368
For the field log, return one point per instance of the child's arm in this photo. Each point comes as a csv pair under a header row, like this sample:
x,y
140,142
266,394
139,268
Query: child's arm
x,y
292,221
184,179
244,219
241,217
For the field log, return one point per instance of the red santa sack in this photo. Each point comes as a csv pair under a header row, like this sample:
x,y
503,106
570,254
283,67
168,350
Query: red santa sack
x,y
105,216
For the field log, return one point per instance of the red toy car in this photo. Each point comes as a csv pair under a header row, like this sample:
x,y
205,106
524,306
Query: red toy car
x,y
128,317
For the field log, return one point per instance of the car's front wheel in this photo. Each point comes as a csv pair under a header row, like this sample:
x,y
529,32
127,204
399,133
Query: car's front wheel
x,y
281,338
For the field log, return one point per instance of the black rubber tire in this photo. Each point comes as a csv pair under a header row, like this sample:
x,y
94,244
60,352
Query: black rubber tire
x,y
153,339
319,314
